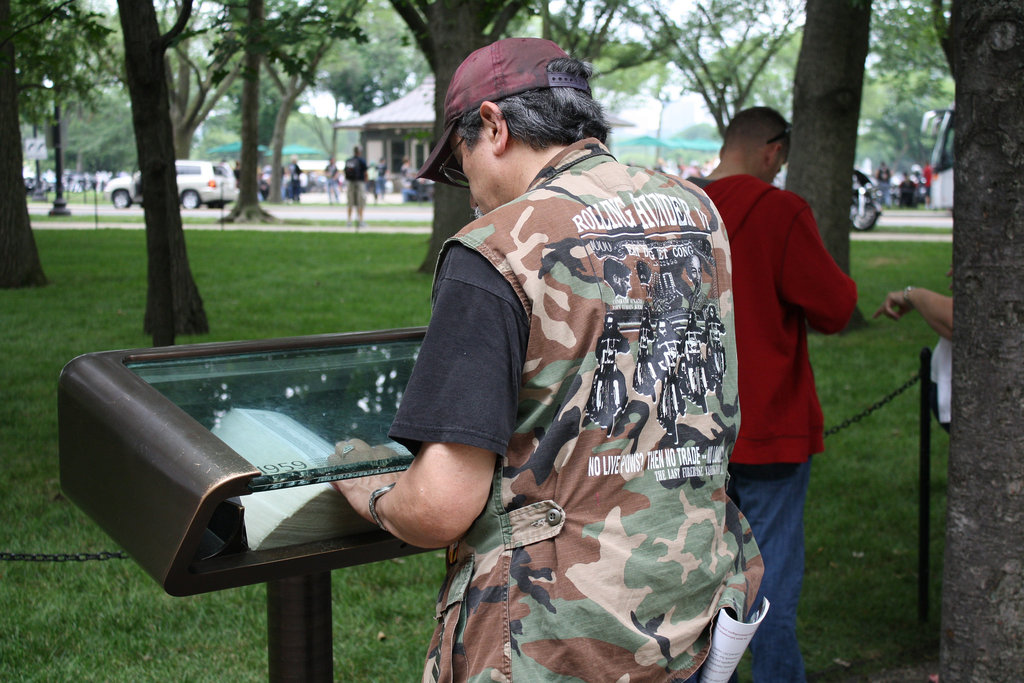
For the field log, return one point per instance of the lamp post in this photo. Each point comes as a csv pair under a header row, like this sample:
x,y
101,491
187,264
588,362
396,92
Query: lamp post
x,y
60,207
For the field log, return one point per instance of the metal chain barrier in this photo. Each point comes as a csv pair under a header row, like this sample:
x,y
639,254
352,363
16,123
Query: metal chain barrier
x,y
860,416
61,557
103,556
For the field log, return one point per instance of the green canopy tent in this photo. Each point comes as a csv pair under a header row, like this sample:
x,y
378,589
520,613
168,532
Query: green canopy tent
x,y
695,145
300,150
680,144
232,148
644,141
691,144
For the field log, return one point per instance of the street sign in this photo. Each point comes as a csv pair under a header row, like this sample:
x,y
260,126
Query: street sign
x,y
35,149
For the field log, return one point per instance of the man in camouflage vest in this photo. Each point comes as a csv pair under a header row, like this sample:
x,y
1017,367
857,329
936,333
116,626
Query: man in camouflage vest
x,y
574,403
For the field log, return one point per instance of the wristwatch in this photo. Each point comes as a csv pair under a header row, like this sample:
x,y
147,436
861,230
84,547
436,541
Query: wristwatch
x,y
373,503
906,295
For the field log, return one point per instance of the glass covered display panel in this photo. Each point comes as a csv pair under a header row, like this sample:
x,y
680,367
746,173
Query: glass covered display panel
x,y
300,415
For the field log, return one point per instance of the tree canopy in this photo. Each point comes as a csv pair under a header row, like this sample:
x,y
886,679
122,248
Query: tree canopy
x,y
46,55
60,49
722,47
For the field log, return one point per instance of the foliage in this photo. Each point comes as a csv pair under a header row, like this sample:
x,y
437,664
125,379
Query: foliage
x,y
291,34
222,126
907,72
287,40
603,31
59,51
110,621
891,122
905,40
723,46
906,76
774,87
622,88
198,77
365,75
699,131
98,138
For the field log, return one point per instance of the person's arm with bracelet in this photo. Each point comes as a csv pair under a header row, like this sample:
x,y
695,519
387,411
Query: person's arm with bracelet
x,y
434,502
935,308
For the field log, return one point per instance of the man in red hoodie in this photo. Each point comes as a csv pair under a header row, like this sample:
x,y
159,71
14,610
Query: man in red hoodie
x,y
783,279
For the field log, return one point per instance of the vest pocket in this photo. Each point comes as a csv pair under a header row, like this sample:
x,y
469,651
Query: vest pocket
x,y
536,522
511,530
448,613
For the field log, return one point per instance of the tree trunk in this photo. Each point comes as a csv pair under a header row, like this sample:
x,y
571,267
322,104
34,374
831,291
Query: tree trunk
x,y
190,106
982,635
179,87
456,32
289,88
289,91
826,109
19,258
447,31
247,207
173,304
276,156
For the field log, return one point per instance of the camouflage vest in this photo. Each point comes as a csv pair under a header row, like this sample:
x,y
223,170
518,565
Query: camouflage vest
x,y
608,544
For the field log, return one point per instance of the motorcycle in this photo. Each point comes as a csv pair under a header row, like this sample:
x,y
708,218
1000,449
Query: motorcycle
x,y
866,206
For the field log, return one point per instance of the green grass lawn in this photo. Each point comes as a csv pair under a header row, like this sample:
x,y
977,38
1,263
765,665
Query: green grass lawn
x,y
109,621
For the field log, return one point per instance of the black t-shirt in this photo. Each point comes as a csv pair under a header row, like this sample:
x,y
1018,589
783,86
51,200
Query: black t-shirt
x,y
465,386
355,168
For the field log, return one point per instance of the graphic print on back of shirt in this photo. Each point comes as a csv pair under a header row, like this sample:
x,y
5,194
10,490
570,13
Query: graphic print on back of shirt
x,y
658,295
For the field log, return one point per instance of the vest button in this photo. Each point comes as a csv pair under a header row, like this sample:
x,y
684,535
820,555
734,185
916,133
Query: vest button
x,y
554,517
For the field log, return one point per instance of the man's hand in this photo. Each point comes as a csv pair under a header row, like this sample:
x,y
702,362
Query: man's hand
x,y
354,451
894,306
358,489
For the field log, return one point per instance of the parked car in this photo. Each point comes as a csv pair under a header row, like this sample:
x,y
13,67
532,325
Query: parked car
x,y
199,183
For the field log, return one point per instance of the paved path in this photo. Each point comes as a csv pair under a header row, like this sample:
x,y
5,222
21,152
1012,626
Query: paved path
x,y
917,219
879,235
89,217
391,209
257,227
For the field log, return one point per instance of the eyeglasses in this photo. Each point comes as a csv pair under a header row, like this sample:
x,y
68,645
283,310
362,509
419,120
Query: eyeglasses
x,y
454,174
781,136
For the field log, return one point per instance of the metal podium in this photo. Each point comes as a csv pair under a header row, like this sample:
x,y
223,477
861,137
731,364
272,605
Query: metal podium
x,y
169,449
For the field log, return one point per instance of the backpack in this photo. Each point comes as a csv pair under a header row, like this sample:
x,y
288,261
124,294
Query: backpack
x,y
351,169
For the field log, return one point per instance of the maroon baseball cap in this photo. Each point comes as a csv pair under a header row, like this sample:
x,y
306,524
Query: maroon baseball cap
x,y
504,68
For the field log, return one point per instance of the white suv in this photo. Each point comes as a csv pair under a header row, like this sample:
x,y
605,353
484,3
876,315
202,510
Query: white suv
x,y
199,182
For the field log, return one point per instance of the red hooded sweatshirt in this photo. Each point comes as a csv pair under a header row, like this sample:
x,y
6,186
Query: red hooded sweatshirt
x,y
783,279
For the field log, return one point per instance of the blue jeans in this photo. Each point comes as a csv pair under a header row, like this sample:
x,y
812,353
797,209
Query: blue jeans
x,y
333,191
774,507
